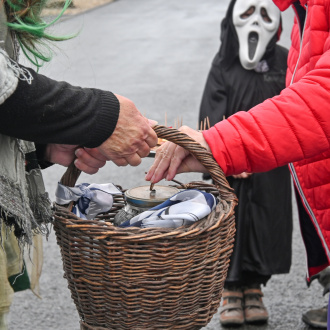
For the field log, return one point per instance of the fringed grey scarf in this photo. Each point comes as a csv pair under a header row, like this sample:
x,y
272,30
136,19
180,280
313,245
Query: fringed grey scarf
x,y
24,203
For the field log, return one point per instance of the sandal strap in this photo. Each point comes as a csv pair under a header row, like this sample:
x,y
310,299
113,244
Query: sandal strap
x,y
253,304
253,298
230,307
232,294
253,292
232,300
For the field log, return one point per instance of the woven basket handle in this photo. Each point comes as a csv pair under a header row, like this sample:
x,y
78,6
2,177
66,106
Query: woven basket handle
x,y
71,175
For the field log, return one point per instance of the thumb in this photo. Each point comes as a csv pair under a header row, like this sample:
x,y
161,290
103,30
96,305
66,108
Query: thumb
x,y
152,122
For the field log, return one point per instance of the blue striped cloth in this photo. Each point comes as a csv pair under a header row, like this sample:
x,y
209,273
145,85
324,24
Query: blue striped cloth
x,y
90,199
184,208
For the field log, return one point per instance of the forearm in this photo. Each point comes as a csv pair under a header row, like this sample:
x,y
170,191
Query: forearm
x,y
48,111
284,129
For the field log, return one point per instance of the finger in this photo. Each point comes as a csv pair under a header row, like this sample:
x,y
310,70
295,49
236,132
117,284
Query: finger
x,y
164,159
120,161
157,159
179,154
144,150
88,159
152,138
84,167
94,152
150,172
133,160
152,122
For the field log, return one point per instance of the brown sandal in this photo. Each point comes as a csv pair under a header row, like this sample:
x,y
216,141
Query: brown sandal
x,y
231,312
254,308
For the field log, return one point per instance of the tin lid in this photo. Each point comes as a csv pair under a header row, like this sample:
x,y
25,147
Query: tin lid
x,y
144,197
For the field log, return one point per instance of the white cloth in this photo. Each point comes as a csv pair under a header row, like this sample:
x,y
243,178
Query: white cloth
x,y
184,208
90,199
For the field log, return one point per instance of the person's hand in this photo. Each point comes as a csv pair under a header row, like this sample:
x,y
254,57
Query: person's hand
x,y
172,159
243,175
132,138
88,160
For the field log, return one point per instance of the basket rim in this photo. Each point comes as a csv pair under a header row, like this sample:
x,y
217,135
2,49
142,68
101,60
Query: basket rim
x,y
102,229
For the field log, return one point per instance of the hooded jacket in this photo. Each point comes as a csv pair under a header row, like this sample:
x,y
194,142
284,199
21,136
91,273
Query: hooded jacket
x,y
293,127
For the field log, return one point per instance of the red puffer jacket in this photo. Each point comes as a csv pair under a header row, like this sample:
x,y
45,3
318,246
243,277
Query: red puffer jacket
x,y
293,127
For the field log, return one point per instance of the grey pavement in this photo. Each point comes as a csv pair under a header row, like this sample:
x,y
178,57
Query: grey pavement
x,y
158,54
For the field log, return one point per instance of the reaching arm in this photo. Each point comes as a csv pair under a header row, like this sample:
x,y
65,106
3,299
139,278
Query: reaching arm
x,y
63,117
292,126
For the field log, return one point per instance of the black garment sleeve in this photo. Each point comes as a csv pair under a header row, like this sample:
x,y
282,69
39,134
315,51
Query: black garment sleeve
x,y
40,154
49,111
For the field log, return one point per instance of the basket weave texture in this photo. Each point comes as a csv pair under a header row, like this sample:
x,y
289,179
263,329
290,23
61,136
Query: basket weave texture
x,y
151,278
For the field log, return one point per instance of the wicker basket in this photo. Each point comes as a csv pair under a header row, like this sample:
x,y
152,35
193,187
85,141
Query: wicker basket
x,y
154,278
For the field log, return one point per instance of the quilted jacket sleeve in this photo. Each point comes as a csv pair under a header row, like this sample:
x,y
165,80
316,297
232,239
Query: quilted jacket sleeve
x,y
287,128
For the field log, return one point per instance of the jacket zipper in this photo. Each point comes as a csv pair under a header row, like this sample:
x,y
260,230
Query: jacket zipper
x,y
302,32
292,169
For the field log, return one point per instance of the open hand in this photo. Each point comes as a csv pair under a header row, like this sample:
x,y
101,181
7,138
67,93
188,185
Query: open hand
x,y
172,159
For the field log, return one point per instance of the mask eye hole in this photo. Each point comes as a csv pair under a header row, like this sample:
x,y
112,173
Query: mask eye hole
x,y
264,15
248,13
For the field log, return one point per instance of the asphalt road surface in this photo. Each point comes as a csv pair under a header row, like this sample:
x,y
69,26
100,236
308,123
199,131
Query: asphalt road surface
x,y
158,54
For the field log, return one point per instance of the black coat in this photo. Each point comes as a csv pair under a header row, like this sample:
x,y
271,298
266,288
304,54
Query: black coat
x,y
264,211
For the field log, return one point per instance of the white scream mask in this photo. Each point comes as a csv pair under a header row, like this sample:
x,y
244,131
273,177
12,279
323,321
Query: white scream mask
x,y
256,22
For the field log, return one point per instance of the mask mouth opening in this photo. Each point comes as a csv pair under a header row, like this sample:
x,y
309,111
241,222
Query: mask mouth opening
x,y
253,39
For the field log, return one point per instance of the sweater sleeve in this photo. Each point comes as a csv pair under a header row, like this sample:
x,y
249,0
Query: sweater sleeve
x,y
290,127
44,111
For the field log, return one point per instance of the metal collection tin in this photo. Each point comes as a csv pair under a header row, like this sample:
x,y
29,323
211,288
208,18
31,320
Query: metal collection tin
x,y
142,198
